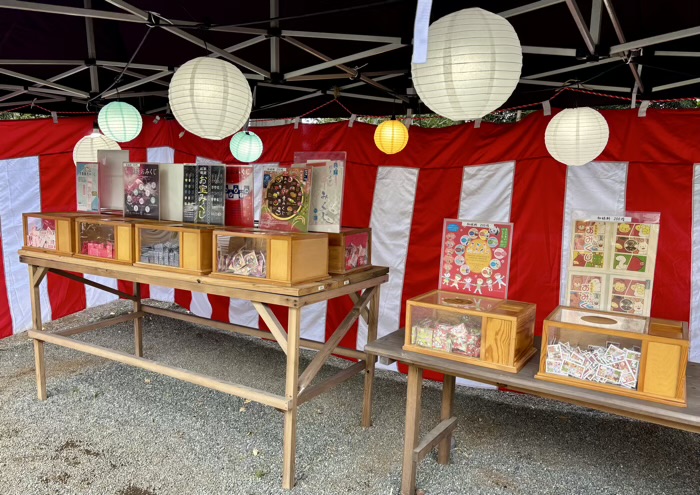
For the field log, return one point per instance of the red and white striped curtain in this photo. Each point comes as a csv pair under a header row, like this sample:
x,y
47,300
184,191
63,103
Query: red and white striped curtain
x,y
495,172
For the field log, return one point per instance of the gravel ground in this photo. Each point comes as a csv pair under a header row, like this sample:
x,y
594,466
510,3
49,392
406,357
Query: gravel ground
x,y
112,429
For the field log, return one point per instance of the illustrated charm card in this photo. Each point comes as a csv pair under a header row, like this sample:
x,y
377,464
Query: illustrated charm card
x,y
142,190
475,257
328,183
286,198
612,262
87,187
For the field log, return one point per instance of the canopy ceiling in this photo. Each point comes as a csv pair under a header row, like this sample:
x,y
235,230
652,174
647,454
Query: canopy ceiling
x,y
63,53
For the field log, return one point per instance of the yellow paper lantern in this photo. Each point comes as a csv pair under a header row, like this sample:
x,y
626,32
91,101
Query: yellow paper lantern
x,y
391,136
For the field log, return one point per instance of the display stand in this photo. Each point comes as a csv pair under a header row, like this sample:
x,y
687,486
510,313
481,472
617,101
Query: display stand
x,y
362,288
415,448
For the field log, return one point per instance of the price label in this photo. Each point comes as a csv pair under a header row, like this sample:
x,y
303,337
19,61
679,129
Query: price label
x,y
613,218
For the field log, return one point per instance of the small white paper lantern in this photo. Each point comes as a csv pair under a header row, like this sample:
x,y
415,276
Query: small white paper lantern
x,y
120,121
246,146
210,98
473,65
86,149
576,136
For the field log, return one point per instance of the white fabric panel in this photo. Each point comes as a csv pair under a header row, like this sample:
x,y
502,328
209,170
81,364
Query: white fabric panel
x,y
96,297
20,192
243,313
313,321
201,160
487,192
392,215
598,187
164,154
200,305
487,195
695,272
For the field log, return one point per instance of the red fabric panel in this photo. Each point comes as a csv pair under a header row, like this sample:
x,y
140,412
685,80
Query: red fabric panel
x,y
425,243
537,213
5,313
219,307
669,190
57,176
183,298
280,312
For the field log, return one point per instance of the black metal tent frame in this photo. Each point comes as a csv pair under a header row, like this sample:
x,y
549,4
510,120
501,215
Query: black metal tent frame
x,y
74,55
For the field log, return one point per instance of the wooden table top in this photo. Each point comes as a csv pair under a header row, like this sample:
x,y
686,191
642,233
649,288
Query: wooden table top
x,y
291,296
391,346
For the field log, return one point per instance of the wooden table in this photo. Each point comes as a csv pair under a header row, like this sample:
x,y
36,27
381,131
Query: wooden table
x,y
415,449
362,288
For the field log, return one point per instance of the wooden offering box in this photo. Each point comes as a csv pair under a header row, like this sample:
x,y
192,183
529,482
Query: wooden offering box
x,y
476,330
104,238
349,251
49,232
177,247
284,258
634,356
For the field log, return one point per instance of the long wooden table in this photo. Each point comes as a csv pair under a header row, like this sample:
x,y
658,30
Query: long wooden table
x,y
415,448
362,288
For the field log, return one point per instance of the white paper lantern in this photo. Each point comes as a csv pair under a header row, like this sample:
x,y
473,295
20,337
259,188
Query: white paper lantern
x,y
120,121
246,146
86,149
210,98
576,136
473,65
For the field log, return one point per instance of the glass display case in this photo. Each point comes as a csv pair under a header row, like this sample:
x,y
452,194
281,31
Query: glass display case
x,y
350,250
104,238
49,232
621,354
275,257
477,330
172,246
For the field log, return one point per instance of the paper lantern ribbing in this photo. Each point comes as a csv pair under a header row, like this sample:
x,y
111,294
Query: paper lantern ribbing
x,y
86,149
473,64
210,98
576,136
120,121
391,136
246,146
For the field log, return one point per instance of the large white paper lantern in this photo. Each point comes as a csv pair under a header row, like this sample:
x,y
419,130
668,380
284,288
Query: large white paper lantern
x,y
120,121
473,65
246,146
210,98
86,149
576,136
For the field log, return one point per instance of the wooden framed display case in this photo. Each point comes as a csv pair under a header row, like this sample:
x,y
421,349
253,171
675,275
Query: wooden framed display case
x,y
635,356
49,232
349,251
284,258
483,331
174,246
104,238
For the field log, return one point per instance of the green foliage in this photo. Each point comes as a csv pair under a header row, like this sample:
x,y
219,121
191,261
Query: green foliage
x,y
21,116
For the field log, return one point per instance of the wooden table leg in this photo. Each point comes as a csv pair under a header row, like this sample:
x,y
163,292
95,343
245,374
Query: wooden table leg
x,y
413,408
138,322
372,324
35,277
448,395
292,392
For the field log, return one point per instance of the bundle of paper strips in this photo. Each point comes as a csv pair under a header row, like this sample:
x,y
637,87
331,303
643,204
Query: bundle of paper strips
x,y
613,364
